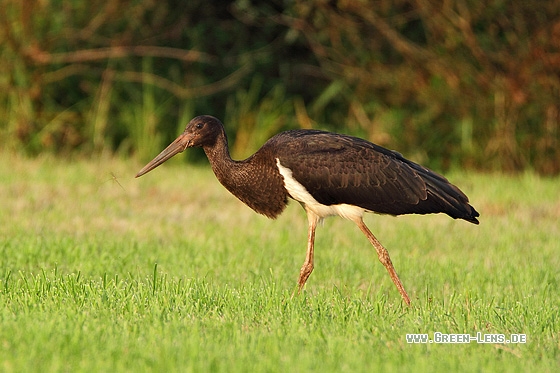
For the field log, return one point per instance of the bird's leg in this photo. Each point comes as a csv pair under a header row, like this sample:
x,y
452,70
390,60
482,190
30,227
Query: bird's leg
x,y
307,267
384,258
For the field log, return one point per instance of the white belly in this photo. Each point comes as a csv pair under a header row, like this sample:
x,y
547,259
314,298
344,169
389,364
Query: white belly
x,y
299,193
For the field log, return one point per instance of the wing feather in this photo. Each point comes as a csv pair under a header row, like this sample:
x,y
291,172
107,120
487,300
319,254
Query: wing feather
x,y
338,169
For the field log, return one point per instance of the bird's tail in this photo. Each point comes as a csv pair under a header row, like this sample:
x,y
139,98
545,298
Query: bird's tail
x,y
450,198
444,197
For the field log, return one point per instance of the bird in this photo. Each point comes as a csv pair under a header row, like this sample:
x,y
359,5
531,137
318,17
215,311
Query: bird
x,y
329,174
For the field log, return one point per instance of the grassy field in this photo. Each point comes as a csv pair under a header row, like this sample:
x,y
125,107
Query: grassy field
x,y
104,272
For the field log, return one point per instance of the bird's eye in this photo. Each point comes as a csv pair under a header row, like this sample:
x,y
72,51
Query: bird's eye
x,y
199,125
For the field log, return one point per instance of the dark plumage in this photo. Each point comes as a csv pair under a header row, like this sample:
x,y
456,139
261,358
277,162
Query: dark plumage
x,y
329,174
336,169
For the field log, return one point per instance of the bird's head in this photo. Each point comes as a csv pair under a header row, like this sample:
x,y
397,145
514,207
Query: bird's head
x,y
200,132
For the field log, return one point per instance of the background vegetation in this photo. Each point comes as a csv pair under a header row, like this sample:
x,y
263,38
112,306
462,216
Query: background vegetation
x,y
449,83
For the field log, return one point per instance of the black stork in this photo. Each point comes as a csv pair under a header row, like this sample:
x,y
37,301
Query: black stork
x,y
328,174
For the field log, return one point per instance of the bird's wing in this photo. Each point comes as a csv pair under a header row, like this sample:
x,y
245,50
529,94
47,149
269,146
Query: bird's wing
x,y
338,169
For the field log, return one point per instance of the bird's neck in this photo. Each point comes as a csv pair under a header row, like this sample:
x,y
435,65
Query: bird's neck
x,y
255,180
223,166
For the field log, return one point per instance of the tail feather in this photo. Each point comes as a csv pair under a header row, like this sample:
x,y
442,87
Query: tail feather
x,y
451,199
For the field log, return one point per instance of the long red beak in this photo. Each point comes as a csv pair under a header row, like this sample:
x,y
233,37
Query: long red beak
x,y
178,146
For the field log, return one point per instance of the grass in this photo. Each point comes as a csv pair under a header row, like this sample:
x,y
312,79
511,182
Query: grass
x,y
103,272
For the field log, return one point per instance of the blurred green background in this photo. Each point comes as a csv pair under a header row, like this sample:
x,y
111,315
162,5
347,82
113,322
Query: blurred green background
x,y
473,84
